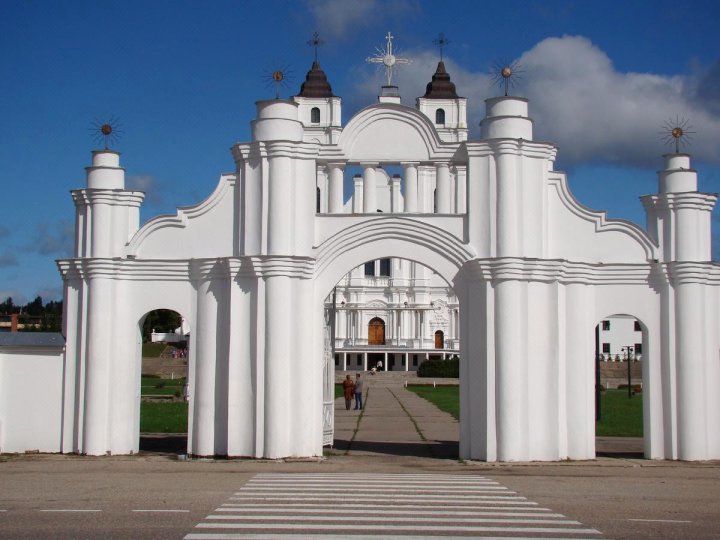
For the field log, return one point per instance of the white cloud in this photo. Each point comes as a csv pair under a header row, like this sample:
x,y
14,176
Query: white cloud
x,y
338,19
147,184
53,239
594,112
579,101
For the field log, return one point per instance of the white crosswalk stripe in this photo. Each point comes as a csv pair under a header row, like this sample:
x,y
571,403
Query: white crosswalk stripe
x,y
371,506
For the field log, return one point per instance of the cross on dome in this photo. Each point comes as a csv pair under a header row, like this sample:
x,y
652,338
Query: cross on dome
x,y
387,58
441,42
316,42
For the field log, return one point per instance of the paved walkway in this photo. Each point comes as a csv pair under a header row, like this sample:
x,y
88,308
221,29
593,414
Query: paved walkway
x,y
396,421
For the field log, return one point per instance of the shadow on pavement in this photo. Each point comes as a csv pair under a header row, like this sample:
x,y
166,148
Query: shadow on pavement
x,y
163,443
434,449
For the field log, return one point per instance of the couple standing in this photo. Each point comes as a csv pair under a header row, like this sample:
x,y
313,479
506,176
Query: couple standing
x,y
351,389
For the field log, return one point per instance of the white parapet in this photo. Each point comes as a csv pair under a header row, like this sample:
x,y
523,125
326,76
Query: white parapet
x,y
105,172
277,119
506,118
677,177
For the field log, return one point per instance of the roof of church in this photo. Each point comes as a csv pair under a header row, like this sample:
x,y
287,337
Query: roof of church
x,y
316,83
441,87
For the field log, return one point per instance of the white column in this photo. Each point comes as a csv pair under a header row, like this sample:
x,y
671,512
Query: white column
x,y
344,361
277,375
460,189
370,205
357,204
511,379
279,205
407,361
101,227
335,196
365,356
396,203
203,397
507,206
97,380
442,183
410,176
691,414
386,362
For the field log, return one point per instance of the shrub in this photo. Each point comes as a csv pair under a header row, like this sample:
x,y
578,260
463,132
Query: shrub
x,y
160,384
440,368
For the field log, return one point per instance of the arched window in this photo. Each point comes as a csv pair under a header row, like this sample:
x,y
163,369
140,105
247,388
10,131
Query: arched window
x,y
315,115
376,331
439,340
317,200
440,116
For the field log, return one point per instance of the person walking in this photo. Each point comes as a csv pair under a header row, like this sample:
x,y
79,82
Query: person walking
x,y
348,391
358,392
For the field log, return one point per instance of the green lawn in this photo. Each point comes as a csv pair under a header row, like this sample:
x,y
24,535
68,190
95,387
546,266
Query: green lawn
x,y
163,417
621,417
149,386
445,398
152,350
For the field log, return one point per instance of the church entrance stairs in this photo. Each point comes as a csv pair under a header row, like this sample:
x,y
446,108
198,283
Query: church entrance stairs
x,y
394,379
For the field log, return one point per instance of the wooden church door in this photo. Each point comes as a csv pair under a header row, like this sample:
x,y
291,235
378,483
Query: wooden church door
x,y
376,332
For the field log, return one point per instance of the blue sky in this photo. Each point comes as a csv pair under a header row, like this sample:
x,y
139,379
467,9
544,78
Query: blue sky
x,y
182,77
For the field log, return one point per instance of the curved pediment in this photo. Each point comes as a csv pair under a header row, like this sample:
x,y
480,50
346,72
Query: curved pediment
x,y
388,132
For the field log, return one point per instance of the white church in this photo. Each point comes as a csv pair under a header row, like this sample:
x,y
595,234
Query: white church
x,y
480,240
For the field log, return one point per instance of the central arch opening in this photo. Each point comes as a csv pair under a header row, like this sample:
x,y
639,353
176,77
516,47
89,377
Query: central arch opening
x,y
391,321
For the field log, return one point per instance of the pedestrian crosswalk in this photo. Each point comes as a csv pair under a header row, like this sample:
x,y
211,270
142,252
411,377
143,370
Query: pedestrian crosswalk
x,y
371,506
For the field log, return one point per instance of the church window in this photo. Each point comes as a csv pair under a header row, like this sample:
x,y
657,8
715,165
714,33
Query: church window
x,y
317,200
606,325
638,348
376,331
435,201
440,116
637,326
315,115
370,268
606,348
385,267
439,340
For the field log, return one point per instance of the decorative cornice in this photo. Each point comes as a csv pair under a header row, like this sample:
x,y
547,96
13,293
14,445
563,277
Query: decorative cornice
x,y
602,223
291,149
689,200
112,197
572,272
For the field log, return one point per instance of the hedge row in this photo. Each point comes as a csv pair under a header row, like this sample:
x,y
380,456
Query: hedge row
x,y
440,368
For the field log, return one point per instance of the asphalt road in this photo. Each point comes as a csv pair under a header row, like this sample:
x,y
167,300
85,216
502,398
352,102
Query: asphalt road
x,y
161,497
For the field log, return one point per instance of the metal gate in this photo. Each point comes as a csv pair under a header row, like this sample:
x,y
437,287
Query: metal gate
x,y
329,376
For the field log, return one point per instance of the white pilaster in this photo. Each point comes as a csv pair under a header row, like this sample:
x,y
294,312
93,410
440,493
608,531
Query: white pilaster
x,y
410,175
335,204
370,204
442,176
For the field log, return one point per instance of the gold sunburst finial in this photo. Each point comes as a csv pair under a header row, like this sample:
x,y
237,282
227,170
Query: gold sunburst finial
x,y
279,78
677,133
507,74
106,133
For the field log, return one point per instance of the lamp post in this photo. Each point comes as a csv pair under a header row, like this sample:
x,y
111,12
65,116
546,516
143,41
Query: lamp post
x,y
629,350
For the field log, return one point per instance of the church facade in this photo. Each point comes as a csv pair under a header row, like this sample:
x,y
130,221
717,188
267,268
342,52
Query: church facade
x,y
532,273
